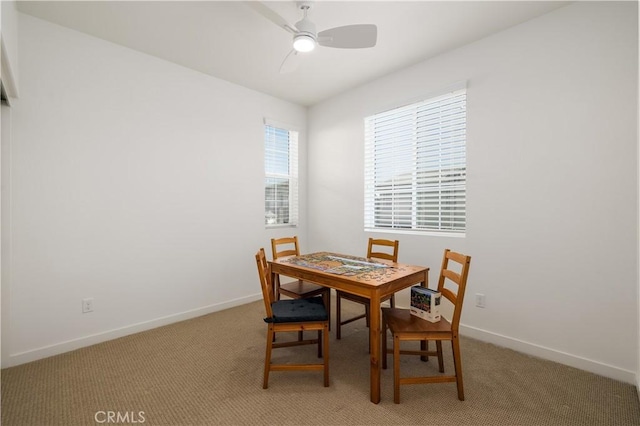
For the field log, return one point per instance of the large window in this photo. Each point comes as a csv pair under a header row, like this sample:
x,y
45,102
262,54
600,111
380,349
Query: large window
x,y
281,175
415,166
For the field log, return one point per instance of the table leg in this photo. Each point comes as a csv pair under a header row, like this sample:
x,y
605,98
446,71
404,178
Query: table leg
x,y
374,341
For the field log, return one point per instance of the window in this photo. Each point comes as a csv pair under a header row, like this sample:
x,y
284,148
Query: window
x,y
415,166
281,175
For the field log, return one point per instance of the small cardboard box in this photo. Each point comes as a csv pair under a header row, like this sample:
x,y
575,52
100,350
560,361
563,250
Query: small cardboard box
x,y
425,303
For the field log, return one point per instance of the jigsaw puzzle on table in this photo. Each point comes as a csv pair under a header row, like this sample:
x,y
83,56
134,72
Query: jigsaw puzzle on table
x,y
341,264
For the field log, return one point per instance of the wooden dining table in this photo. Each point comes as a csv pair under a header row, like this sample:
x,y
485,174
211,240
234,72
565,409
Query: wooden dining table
x,y
371,278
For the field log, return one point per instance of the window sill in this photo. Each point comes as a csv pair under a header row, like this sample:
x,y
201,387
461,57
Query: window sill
x,y
415,232
278,226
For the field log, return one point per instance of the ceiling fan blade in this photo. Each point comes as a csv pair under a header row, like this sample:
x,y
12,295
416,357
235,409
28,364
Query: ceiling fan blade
x,y
349,37
271,15
291,62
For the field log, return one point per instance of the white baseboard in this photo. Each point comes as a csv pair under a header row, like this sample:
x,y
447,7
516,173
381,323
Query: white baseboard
x,y
552,355
70,345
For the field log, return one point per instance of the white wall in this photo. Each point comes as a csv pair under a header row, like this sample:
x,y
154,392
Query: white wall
x,y
9,43
552,186
8,67
638,237
134,181
5,225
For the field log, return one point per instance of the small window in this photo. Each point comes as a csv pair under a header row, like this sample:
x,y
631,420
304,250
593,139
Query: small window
x,y
281,175
415,166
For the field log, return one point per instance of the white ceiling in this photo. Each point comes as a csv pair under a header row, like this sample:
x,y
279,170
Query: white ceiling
x,y
229,40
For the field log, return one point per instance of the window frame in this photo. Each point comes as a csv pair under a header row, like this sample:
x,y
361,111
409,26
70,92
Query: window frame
x,y
411,137
291,175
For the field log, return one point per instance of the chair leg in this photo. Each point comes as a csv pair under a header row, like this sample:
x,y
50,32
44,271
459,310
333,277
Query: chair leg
x,y
457,362
367,311
392,301
366,314
424,346
338,320
325,354
439,352
276,285
267,357
396,369
319,344
384,343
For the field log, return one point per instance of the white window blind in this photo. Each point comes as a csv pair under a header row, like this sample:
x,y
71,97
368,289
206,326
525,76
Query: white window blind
x,y
415,166
281,175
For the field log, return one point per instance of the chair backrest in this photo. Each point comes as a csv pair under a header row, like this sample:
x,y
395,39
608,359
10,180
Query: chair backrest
x,y
458,278
374,252
264,271
290,249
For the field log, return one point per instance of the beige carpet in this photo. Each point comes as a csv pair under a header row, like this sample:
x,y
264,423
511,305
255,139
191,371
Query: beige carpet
x,y
208,371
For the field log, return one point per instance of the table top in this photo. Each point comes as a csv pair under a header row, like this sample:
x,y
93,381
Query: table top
x,y
349,268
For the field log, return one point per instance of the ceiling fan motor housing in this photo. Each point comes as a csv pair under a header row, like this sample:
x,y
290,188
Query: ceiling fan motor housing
x,y
306,27
305,39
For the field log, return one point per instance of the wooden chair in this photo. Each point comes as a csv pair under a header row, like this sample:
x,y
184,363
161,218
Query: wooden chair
x,y
404,326
292,315
288,246
373,252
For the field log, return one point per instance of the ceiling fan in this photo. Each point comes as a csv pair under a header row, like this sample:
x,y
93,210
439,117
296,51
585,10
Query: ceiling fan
x,y
305,37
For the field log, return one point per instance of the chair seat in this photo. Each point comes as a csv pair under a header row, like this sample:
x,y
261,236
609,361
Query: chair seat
x,y
301,289
402,322
298,310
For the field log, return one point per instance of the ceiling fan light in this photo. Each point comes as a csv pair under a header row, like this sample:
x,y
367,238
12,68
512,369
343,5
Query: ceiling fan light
x,y
304,43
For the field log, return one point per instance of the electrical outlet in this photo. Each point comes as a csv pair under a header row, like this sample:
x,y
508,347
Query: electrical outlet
x,y
87,305
480,300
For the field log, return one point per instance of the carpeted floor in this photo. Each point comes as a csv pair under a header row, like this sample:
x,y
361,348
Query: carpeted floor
x,y
208,371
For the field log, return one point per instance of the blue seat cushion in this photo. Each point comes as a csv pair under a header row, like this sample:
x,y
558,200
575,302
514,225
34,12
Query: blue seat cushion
x,y
298,310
